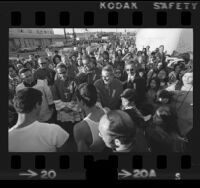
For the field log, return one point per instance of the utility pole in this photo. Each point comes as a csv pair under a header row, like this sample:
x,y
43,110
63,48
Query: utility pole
x,y
74,36
65,35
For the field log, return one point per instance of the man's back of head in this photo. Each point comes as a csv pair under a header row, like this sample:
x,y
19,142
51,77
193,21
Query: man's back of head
x,y
27,99
117,129
87,93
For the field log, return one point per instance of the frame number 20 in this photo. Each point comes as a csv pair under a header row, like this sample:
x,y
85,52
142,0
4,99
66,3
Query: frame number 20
x,y
48,174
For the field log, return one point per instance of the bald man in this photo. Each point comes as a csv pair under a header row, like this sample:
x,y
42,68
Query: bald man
x,y
120,133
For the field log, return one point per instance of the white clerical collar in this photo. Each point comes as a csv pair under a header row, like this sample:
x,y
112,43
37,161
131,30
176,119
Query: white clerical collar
x,y
132,77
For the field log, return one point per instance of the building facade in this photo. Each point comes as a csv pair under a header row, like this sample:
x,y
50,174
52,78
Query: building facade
x,y
32,37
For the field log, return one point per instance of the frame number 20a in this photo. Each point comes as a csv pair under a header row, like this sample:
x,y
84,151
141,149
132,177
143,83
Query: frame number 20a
x,y
143,173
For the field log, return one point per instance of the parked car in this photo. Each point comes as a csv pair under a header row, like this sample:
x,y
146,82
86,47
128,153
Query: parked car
x,y
24,50
37,48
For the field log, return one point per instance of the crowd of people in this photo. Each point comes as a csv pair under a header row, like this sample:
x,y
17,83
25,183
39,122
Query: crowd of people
x,y
112,98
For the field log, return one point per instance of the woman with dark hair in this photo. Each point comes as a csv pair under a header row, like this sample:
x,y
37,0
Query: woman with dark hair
x,y
163,77
163,134
152,89
119,54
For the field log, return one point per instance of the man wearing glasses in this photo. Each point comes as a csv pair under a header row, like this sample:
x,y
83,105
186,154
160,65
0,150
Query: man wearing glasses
x,y
130,69
135,81
44,72
109,89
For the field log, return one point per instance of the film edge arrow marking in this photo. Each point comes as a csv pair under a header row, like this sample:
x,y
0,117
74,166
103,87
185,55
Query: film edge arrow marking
x,y
29,173
124,173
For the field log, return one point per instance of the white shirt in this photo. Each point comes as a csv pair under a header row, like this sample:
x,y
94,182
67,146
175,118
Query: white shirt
x,y
37,137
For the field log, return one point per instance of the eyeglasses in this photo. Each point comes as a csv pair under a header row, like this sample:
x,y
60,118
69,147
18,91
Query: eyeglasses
x,y
127,70
62,72
105,77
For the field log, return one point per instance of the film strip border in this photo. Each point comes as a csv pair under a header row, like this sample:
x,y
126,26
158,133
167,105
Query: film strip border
x,y
64,161
88,14
93,14
89,17
112,167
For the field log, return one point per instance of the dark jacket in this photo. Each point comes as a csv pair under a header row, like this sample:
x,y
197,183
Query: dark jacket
x,y
64,90
141,142
161,142
109,97
43,74
135,117
139,84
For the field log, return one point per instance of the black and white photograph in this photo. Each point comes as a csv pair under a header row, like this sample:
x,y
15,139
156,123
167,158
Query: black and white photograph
x,y
100,90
